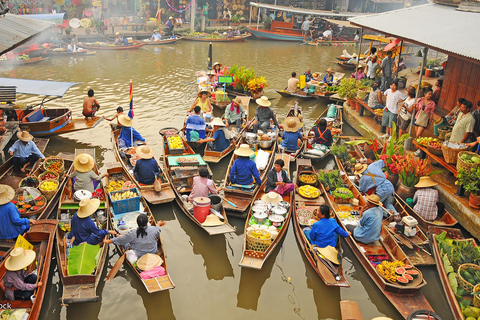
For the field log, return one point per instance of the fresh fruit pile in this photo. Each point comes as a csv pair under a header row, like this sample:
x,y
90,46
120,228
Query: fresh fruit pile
x,y
175,142
119,185
470,158
308,192
344,214
48,186
342,193
124,195
260,234
435,144
27,203
405,274
344,208
49,176
332,89
308,178
30,182
24,57
471,313
387,269
54,165
424,141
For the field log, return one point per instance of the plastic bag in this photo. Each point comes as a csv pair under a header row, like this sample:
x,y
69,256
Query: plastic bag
x,y
131,256
261,159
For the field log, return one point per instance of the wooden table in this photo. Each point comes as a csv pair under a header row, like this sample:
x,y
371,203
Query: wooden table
x,y
438,159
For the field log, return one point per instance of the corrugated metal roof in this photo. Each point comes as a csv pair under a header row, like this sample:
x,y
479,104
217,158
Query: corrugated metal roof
x,y
388,1
436,26
302,11
16,30
56,18
341,23
38,87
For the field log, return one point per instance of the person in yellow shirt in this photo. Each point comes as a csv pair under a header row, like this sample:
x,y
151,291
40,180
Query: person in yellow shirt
x,y
202,101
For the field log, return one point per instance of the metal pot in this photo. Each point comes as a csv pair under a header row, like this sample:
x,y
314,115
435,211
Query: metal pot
x,y
265,144
259,208
281,211
260,216
250,135
284,204
259,202
216,203
276,220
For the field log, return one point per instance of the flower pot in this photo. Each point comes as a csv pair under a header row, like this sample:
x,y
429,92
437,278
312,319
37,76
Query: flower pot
x,y
405,192
351,103
257,95
429,73
393,178
474,201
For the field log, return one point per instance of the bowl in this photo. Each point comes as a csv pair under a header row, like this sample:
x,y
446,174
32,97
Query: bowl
x,y
279,210
265,144
260,216
276,220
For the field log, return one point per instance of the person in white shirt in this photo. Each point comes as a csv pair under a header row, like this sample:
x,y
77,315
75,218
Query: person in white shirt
x,y
406,110
327,34
391,108
156,36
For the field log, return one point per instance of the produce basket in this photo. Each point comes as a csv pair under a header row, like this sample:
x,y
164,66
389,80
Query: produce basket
x,y
256,244
450,154
48,162
462,164
29,181
461,280
308,178
125,205
44,188
42,176
442,131
304,215
174,149
435,151
28,205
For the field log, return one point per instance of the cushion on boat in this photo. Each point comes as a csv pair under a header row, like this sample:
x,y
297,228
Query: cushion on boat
x,y
37,116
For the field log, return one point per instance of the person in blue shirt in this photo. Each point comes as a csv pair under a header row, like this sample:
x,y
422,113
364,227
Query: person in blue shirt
x,y
221,138
244,170
24,152
195,125
370,223
169,25
83,229
125,136
146,168
291,133
325,231
373,180
328,78
322,135
308,75
156,36
11,224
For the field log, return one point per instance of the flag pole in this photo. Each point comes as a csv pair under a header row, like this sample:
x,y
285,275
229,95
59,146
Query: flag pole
x,y
131,109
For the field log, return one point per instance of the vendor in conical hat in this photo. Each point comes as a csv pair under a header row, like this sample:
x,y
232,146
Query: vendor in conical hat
x,y
24,151
19,285
141,240
263,115
235,113
83,173
125,136
244,170
326,230
11,223
370,223
291,134
222,137
83,228
426,199
328,78
146,168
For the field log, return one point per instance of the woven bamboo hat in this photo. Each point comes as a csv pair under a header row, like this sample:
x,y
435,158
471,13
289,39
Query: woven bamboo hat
x,y
125,121
217,63
6,194
83,162
238,100
272,197
263,101
87,207
374,199
149,261
291,124
329,253
24,136
204,91
217,122
425,182
330,70
212,221
244,151
145,152
360,167
19,259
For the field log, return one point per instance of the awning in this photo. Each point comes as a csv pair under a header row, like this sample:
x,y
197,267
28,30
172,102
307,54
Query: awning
x,y
373,37
428,25
56,18
16,30
307,12
346,24
392,45
38,87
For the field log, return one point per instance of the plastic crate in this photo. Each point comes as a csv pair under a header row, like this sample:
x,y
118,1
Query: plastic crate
x,y
125,205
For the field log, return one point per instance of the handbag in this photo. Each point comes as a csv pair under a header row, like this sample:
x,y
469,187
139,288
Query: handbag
x,y
423,118
157,186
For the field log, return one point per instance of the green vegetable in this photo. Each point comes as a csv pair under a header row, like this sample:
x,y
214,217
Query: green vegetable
x,y
447,265
82,259
453,281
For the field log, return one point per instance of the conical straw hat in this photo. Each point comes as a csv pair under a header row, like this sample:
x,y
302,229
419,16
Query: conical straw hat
x,y
83,162
330,253
149,261
125,121
145,152
244,151
6,193
291,124
272,197
425,182
263,101
24,136
19,259
88,207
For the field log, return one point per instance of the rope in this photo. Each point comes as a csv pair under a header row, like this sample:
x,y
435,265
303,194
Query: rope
x,y
74,293
293,298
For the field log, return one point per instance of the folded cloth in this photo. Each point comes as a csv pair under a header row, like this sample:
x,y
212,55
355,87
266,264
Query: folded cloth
x,y
242,186
153,273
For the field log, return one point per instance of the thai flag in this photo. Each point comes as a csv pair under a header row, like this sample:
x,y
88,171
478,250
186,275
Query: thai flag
x,y
130,113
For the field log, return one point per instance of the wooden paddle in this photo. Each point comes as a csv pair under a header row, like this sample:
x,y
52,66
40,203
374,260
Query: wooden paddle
x,y
399,239
116,268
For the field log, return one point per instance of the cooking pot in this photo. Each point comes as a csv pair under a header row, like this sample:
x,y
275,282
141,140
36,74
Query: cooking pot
x,y
265,144
216,203
284,204
276,220
259,208
260,216
278,210
250,135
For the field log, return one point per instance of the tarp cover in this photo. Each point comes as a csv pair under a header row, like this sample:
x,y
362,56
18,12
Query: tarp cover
x,y
38,87
305,12
56,18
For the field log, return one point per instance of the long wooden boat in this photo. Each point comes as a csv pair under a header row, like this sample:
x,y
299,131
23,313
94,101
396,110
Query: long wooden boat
x,y
161,42
23,62
319,42
307,248
242,198
41,236
345,65
273,34
117,172
337,124
298,94
205,39
255,259
148,192
181,177
93,46
66,53
78,288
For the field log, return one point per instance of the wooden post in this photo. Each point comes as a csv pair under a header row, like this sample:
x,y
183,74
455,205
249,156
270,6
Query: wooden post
x,y
358,56
193,7
250,16
258,17
399,56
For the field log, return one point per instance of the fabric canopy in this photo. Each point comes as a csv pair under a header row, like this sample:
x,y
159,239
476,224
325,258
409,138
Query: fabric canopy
x,y
306,12
38,87
346,24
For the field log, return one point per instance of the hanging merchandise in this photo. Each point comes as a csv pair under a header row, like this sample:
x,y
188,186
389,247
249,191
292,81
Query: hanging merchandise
x,y
181,10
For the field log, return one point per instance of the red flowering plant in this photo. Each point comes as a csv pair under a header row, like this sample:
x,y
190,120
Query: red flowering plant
x,y
410,169
391,162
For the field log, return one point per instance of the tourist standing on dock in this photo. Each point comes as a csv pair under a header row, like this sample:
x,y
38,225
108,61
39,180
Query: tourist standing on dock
x,y
387,63
465,123
391,108
11,223
292,83
425,108
234,113
370,224
406,111
372,67
90,105
263,115
24,152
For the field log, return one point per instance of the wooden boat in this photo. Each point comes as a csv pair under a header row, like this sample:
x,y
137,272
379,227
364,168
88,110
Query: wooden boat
x,y
242,198
41,236
255,259
117,171
298,94
66,53
350,310
219,104
181,177
337,124
279,30
304,165
78,288
147,191
320,42
206,39
148,42
22,62
345,65
291,113
93,46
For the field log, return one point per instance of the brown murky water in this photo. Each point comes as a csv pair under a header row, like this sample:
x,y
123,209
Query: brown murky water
x,y
209,282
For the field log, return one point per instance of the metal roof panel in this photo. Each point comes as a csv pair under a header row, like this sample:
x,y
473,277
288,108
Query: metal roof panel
x,y
302,11
38,87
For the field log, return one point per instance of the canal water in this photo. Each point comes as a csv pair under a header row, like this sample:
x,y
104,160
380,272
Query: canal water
x,y
209,282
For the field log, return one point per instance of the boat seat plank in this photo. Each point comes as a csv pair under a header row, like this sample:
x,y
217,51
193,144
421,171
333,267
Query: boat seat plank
x,y
251,262
373,249
224,228
350,310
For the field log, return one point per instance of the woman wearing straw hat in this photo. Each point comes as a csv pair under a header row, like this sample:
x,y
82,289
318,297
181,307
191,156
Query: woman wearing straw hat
x,y
291,133
263,115
83,173
156,36
11,224
203,101
146,168
278,180
325,231
83,228
222,137
229,34
127,132
19,285
370,223
243,169
142,240
24,152
217,70
426,199
235,113
328,78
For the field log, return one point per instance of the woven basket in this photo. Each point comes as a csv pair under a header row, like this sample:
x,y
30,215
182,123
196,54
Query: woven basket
x,y
476,298
20,185
30,213
464,283
442,131
463,165
48,194
48,171
435,151
48,159
255,244
450,154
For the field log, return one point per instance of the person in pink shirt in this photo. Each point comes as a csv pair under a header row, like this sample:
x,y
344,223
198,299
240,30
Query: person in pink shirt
x,y
359,75
426,104
203,186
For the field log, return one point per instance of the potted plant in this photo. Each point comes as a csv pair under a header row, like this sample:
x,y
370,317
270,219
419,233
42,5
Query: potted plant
x,y
470,180
236,20
348,89
68,30
410,169
256,86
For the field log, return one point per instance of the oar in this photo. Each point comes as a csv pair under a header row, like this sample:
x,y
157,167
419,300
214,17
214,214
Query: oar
x,y
229,202
396,236
116,268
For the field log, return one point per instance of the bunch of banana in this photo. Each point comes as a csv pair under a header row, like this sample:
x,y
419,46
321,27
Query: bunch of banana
x,y
124,195
308,191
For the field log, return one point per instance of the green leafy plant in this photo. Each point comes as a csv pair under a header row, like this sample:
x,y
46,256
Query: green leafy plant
x,y
365,82
330,179
348,88
341,151
266,20
82,259
342,193
470,180
433,63
236,18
